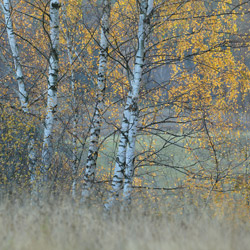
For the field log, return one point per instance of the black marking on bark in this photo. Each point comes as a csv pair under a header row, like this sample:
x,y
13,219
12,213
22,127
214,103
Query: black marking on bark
x,y
53,87
54,109
56,5
20,78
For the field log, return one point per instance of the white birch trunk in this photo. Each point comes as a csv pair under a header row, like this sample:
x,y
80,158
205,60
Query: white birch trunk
x,y
97,117
119,171
52,89
143,32
75,115
124,168
22,93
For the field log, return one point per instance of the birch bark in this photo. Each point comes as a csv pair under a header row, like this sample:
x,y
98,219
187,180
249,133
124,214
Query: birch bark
x,y
52,89
22,93
124,167
117,181
146,9
97,117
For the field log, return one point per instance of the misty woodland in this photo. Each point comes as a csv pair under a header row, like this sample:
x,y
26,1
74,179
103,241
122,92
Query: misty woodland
x,y
124,112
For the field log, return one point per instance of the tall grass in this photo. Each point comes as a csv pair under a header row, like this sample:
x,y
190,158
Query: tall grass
x,y
63,225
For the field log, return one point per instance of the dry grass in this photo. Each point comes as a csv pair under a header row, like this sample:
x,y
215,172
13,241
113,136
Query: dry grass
x,y
64,226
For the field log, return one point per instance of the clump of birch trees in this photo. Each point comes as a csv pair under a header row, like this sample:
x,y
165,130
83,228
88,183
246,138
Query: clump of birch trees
x,y
139,76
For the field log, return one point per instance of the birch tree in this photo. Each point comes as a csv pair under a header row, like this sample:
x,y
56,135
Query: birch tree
x,y
22,93
146,8
124,167
52,88
97,117
117,181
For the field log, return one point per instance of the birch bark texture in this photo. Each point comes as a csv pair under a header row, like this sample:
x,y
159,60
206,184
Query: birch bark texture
x,y
47,150
117,181
146,9
95,130
22,93
124,168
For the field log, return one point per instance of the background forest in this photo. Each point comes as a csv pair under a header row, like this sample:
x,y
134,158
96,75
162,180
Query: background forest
x,y
118,106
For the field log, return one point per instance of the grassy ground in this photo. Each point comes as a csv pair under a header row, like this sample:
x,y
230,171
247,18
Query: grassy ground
x,y
65,227
163,222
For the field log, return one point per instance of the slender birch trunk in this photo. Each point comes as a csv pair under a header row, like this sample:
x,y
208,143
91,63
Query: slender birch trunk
x,y
52,89
97,117
75,115
124,168
143,32
22,93
119,171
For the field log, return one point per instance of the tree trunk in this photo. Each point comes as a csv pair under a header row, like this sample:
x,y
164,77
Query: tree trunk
x,y
52,89
22,93
117,182
124,168
97,117
146,8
